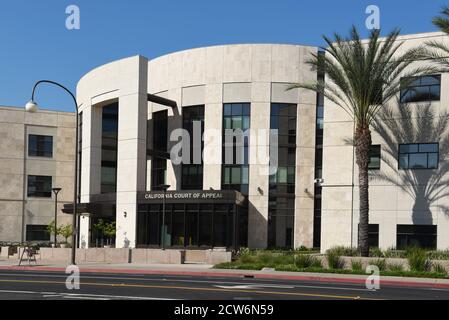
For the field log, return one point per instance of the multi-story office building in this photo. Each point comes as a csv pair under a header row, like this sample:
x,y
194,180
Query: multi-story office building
x,y
36,155
132,110
140,117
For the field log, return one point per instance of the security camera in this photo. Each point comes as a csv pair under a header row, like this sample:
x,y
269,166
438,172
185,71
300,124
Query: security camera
x,y
319,181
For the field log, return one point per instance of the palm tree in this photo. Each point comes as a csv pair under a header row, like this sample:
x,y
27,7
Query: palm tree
x,y
440,52
361,77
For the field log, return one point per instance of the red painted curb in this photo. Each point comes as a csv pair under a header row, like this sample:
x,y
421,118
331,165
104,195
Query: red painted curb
x,y
236,275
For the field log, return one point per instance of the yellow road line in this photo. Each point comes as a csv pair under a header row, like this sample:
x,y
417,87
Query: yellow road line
x,y
329,296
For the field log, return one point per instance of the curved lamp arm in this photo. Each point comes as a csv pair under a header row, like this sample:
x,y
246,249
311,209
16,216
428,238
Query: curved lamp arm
x,y
56,84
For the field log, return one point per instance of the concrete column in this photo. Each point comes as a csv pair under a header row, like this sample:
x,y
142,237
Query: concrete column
x,y
90,162
213,128
131,175
259,175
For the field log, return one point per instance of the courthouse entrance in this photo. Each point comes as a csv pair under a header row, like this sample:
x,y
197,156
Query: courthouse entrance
x,y
193,219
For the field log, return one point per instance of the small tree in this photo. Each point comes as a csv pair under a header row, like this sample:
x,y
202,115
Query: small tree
x,y
66,231
52,229
107,229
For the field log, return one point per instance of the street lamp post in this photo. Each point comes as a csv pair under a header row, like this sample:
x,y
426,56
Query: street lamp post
x,y
32,106
164,188
56,191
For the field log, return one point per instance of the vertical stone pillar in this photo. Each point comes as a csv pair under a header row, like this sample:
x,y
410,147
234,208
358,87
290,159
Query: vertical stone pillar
x,y
131,159
90,162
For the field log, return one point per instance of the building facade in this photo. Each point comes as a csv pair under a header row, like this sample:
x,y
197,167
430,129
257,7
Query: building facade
x,y
132,110
156,157
36,155
408,171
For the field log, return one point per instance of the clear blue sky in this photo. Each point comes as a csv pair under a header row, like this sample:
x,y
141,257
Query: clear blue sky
x,y
36,45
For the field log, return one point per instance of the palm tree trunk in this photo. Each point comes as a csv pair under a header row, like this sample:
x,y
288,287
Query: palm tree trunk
x,y
362,147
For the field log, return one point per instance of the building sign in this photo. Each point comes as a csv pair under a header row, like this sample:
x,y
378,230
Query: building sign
x,y
190,196
184,195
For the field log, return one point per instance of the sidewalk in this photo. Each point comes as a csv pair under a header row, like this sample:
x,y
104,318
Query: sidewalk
x,y
200,270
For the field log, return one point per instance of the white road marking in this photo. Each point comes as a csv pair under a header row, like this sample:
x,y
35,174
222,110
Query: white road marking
x,y
81,295
225,283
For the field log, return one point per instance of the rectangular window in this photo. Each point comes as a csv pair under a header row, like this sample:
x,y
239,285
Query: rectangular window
x,y
374,157
158,172
418,89
192,172
37,233
109,145
423,236
40,146
373,235
236,120
418,156
160,132
39,186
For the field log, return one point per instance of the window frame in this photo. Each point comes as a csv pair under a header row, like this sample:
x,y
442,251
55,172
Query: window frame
x,y
427,153
405,89
380,157
48,194
37,155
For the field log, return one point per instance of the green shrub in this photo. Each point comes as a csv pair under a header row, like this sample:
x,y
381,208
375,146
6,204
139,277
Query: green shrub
x,y
243,252
439,255
438,268
393,253
418,260
395,267
375,252
283,259
345,251
305,261
247,258
380,263
265,258
356,265
334,259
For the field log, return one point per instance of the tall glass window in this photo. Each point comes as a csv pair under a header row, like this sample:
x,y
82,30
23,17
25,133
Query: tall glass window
x,y
159,165
281,209
192,173
235,169
109,148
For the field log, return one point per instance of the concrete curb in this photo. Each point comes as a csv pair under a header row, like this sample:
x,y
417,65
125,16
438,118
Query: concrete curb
x,y
323,278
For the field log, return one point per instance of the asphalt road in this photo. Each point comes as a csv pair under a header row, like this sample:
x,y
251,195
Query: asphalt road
x,y
32,285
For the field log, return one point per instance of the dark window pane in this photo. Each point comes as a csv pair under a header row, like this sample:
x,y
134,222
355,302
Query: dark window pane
x,y
39,186
205,229
40,146
109,148
423,236
431,147
417,161
375,155
37,233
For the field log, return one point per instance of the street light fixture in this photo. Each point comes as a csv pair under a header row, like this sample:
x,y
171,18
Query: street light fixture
x,y
163,187
56,191
32,106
